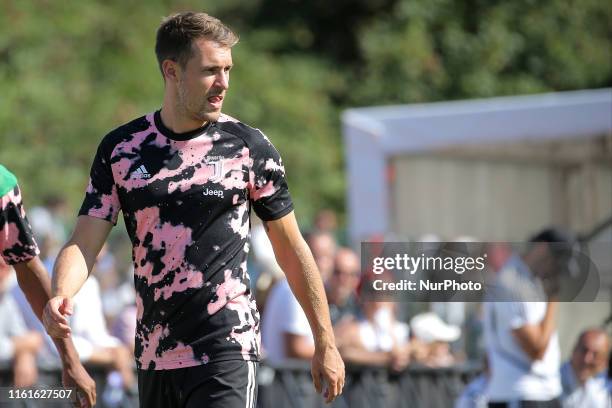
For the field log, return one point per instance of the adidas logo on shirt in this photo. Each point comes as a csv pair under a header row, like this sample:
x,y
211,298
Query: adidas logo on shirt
x,y
141,173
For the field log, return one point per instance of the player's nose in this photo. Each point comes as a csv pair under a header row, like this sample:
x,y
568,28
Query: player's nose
x,y
222,80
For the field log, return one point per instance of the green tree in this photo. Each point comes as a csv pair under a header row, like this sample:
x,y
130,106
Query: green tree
x,y
72,71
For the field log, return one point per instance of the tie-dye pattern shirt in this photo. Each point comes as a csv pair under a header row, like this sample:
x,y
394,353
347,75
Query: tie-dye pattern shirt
x,y
17,242
186,201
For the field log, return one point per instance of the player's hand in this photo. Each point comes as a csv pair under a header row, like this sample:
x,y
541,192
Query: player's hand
x,y
74,375
55,316
328,368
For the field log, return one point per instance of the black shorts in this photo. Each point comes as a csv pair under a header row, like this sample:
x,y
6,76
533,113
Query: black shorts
x,y
225,384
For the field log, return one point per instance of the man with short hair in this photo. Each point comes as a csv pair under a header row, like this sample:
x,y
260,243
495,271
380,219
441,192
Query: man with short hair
x,y
323,247
185,178
583,376
18,248
520,328
341,288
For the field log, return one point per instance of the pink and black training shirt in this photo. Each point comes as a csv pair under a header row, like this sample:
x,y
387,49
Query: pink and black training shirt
x,y
186,201
17,242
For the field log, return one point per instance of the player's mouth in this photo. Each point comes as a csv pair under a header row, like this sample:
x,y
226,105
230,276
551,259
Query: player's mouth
x,y
215,101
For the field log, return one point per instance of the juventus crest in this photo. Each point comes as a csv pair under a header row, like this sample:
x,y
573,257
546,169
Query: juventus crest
x,y
217,167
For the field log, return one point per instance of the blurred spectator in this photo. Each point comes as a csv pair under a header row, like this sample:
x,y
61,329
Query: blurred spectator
x,y
583,377
262,249
49,228
264,271
326,221
473,333
498,254
266,281
106,271
451,312
16,342
124,327
454,312
117,293
90,335
92,341
285,330
377,338
48,356
342,286
521,335
474,394
323,247
19,249
432,338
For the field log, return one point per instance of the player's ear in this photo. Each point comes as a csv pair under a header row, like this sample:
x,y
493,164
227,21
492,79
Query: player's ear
x,y
170,69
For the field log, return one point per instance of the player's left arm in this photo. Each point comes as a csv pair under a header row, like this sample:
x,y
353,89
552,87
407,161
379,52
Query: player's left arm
x,y
296,260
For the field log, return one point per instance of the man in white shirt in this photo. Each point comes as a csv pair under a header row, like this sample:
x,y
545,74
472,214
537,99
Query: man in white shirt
x,y
520,330
90,335
285,330
583,376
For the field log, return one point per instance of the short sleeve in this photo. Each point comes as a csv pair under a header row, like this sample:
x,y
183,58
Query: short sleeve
x,y
523,313
268,190
17,242
101,198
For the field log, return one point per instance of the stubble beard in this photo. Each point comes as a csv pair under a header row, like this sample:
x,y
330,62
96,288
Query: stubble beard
x,y
195,110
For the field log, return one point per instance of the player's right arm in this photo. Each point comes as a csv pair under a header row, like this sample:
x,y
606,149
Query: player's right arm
x,y
72,267
97,216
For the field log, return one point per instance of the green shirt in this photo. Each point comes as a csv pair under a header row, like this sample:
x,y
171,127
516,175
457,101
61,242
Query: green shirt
x,y
8,181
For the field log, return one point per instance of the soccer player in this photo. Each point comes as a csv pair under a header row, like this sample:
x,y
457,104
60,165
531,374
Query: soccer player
x,y
185,178
18,248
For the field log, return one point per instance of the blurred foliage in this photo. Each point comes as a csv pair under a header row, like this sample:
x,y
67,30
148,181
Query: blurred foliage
x,y
72,71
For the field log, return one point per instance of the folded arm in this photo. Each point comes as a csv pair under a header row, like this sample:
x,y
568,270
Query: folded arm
x,y
534,338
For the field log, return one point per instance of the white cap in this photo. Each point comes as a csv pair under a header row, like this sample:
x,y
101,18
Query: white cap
x,y
428,327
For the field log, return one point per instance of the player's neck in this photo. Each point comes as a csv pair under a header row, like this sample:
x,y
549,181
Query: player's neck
x,y
176,122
